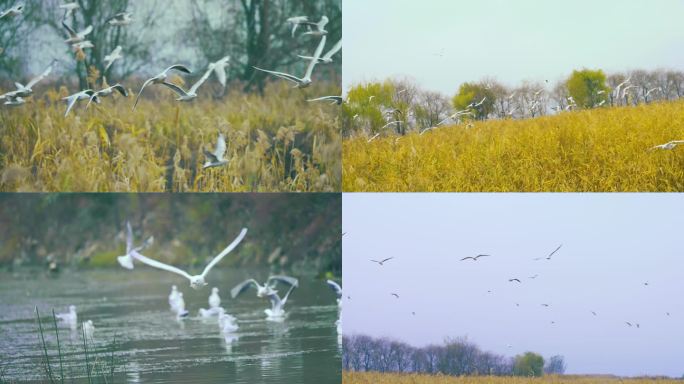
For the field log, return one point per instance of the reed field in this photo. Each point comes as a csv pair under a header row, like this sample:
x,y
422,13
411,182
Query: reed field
x,y
396,378
598,150
276,141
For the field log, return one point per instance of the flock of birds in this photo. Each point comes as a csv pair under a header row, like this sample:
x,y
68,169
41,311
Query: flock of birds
x,y
515,280
228,324
78,41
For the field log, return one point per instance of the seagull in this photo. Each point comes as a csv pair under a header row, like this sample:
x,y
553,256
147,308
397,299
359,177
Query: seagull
x,y
550,254
161,79
512,280
126,260
374,137
306,80
214,298
327,57
173,297
316,29
72,99
296,21
628,323
481,102
474,258
88,329
668,145
391,122
196,281
81,45
267,288
69,317
545,305
216,159
333,99
652,90
227,323
12,100
107,92
76,37
533,277
382,262
112,57
69,8
180,307
120,19
12,12
395,295
27,90
219,68
337,289
190,94
593,313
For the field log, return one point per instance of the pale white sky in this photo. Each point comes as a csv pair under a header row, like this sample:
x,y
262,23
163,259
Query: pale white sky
x,y
442,43
612,245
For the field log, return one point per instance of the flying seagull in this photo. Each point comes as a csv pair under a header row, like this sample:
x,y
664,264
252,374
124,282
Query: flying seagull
x,y
545,305
533,277
215,159
12,12
668,145
382,262
126,260
196,281
72,99
516,280
474,258
628,323
120,19
69,8
332,99
336,288
395,295
316,29
219,68
27,90
306,80
550,254
107,92
327,57
267,288
112,57
296,21
12,100
160,79
191,93
76,37
593,313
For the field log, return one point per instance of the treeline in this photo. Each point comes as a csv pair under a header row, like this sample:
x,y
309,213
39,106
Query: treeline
x,y
400,106
456,357
286,231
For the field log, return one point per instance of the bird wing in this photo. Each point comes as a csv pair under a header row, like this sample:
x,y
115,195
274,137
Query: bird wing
x,y
178,67
317,55
85,32
70,30
71,100
238,289
137,97
387,259
120,88
337,99
282,75
41,76
223,253
556,250
220,146
210,156
129,237
284,299
283,279
336,48
148,242
180,91
335,287
466,258
220,70
159,265
202,79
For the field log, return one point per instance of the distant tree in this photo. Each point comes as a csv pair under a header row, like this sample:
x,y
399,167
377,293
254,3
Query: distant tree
x,y
366,106
588,87
470,94
555,365
13,32
529,364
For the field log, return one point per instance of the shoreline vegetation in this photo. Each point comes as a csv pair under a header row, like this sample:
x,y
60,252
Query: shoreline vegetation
x,y
349,377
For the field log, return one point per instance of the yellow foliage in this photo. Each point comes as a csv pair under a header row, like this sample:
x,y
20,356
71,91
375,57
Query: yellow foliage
x,y
397,378
275,142
600,150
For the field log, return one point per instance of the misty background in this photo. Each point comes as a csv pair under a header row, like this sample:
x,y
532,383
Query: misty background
x,y
612,246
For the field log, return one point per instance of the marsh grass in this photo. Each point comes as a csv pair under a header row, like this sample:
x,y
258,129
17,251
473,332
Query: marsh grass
x,y
275,142
600,150
398,378
99,365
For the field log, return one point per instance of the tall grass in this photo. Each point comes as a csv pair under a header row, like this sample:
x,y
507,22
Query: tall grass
x,y
275,142
99,366
398,378
600,150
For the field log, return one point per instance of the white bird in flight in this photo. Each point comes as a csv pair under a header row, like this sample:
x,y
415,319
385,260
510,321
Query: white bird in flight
x,y
72,99
327,58
318,28
12,12
296,21
196,281
112,57
120,19
382,262
220,69
12,100
160,79
27,90
306,80
191,93
332,99
126,260
107,92
669,145
69,8
76,37
266,289
216,159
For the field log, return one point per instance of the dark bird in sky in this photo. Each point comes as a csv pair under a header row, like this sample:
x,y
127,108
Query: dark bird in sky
x,y
594,313
545,305
550,254
382,262
474,258
395,295
413,313
512,280
533,277
628,323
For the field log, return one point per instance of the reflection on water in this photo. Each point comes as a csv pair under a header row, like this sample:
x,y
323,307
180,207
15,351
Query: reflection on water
x,y
152,346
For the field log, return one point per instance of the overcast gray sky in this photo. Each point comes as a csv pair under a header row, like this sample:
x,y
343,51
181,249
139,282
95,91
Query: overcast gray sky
x,y
443,43
612,245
